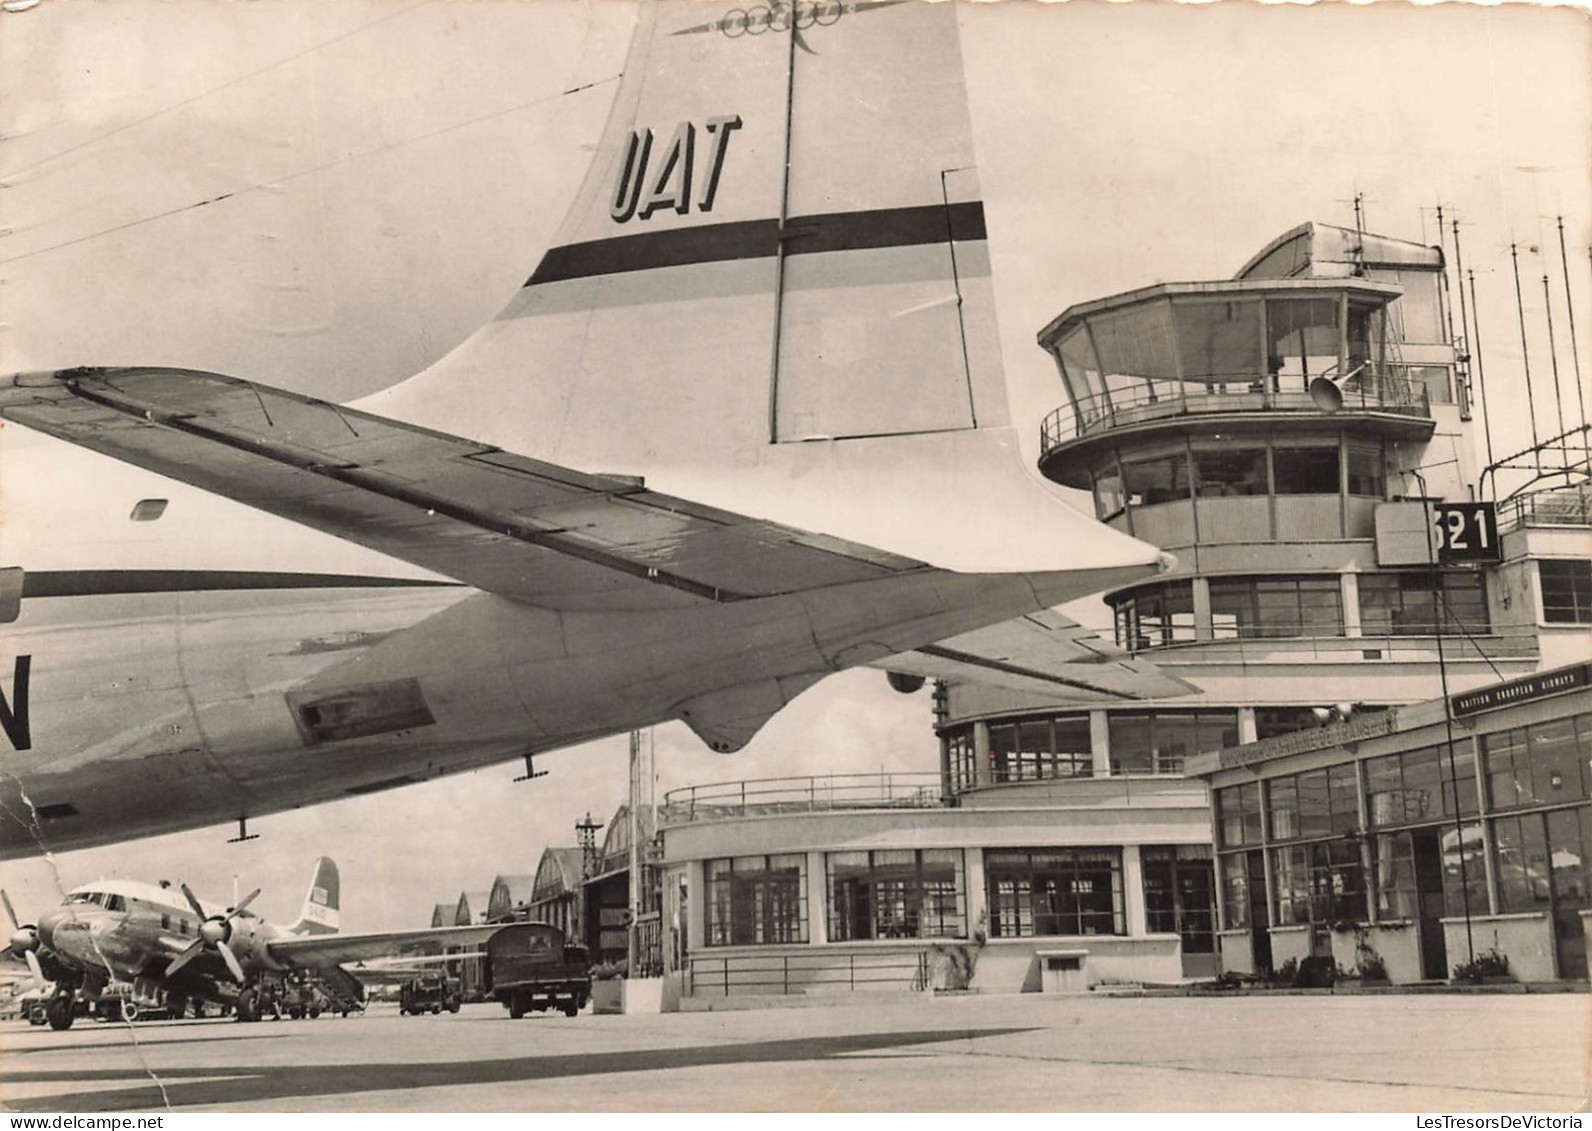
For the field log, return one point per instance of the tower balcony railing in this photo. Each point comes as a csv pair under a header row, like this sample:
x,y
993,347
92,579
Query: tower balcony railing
x,y
1379,388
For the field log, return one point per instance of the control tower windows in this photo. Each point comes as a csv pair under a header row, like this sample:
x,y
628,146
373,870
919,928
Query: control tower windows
x,y
1257,608
1230,471
1306,471
1108,496
1302,340
1402,604
1157,742
1081,372
1162,479
1219,341
1367,477
1155,616
1136,354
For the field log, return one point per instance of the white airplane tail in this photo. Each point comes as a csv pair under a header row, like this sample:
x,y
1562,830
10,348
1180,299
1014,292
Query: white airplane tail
x,y
319,915
772,294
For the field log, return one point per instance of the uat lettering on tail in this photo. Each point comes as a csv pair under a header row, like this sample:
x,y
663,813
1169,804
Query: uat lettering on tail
x,y
744,425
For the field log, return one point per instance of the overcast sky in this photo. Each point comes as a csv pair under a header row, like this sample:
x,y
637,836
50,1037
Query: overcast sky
x,y
329,196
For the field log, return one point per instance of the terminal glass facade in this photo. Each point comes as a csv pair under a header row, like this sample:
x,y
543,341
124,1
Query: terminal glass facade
x,y
1054,891
897,894
1179,895
755,900
1404,837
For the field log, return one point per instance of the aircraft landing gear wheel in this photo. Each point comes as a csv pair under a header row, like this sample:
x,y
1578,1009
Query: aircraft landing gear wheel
x,y
245,1006
570,1009
453,1008
516,1009
60,1013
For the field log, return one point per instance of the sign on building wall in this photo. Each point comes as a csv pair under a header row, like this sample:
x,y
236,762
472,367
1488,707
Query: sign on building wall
x,y
1427,533
1524,690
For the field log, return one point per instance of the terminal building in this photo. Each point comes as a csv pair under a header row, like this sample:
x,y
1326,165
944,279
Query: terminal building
x,y
1282,434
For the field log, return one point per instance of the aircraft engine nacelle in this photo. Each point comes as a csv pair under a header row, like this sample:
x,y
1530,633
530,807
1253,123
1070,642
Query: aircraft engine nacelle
x,y
905,682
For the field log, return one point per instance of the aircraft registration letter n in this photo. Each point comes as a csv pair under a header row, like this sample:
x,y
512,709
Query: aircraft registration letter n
x,y
14,711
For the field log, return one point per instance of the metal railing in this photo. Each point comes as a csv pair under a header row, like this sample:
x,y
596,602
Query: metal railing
x,y
729,974
1570,506
1381,388
1496,641
883,790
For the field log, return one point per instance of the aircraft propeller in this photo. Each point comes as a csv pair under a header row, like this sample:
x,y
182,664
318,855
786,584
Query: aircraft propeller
x,y
215,931
24,940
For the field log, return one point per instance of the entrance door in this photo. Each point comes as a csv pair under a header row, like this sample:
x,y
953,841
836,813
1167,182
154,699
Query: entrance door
x,y
1428,850
1259,917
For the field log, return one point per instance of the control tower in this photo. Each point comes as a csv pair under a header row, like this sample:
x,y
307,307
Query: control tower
x,y
1282,433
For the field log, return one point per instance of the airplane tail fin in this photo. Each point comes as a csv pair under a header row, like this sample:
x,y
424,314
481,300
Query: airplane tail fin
x,y
319,915
772,292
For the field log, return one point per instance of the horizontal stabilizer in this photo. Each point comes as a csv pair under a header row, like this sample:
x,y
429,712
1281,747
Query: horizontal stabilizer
x,y
1043,653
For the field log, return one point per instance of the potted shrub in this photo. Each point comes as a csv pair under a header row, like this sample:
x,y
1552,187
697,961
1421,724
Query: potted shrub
x,y
1490,967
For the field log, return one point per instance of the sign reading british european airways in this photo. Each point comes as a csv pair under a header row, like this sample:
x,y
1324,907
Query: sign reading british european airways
x,y
649,183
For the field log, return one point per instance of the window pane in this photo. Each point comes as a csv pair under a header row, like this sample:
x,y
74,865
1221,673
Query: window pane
x,y
1272,721
1218,340
1108,495
1163,479
1395,876
1131,752
1082,375
1365,472
1566,591
1240,471
1306,471
1556,763
1520,848
1302,337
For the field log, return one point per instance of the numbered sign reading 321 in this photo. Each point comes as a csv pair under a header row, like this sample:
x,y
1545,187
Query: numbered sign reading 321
x,y
1465,532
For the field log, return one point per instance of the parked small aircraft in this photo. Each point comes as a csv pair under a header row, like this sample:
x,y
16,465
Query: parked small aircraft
x,y
162,938
745,425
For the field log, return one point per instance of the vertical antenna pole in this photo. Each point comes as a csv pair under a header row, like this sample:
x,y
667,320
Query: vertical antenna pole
x,y
1553,358
1481,376
1569,306
1525,355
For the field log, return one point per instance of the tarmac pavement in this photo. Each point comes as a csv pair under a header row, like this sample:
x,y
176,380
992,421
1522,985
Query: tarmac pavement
x,y
1419,1053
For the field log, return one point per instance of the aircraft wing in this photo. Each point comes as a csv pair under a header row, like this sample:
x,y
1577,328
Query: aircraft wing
x,y
515,526
1044,652
320,951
